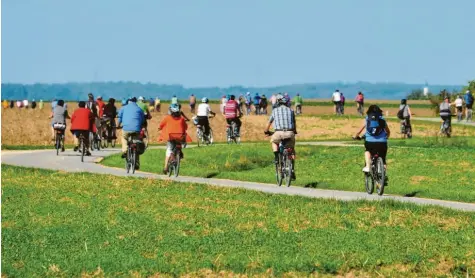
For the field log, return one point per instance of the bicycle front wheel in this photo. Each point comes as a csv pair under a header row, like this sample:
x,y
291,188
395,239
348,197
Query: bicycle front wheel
x,y
145,139
381,175
171,166
210,137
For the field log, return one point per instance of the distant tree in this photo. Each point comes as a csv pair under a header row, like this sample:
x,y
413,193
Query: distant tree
x,y
417,94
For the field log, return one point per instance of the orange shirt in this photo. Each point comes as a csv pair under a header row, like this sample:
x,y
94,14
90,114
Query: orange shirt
x,y
170,125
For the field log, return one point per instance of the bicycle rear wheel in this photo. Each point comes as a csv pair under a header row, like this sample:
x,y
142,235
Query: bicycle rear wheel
x,y
127,160
177,164
287,171
171,166
278,171
369,183
198,137
210,137
380,176
83,148
58,143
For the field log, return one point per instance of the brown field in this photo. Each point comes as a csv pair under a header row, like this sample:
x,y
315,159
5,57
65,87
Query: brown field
x,y
32,127
351,110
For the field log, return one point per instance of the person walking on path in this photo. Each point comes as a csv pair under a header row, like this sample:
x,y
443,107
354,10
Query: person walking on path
x,y
192,103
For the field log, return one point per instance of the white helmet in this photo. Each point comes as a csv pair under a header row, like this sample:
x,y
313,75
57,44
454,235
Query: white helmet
x,y
280,99
204,100
174,108
141,98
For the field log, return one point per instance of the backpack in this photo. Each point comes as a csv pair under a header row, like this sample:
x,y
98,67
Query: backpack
x,y
469,99
400,113
375,124
140,146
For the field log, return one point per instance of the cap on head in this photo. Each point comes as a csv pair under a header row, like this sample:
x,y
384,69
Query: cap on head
x,y
204,100
232,97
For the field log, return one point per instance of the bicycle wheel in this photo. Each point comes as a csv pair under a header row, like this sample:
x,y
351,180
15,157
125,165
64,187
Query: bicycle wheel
x,y
57,142
177,164
127,160
380,176
145,139
198,136
133,157
369,183
278,171
171,166
288,170
210,137
91,141
83,148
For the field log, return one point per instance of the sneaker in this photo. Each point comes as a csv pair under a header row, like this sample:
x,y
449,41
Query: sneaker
x,y
76,148
123,155
366,169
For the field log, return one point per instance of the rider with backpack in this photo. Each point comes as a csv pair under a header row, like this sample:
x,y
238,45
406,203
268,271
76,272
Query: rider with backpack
x,y
405,113
468,102
377,134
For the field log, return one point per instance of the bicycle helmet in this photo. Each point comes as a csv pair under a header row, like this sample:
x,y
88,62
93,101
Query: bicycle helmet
x,y
141,98
204,100
280,99
99,97
174,108
90,95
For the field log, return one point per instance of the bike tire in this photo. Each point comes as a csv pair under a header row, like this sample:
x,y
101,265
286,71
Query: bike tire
x,y
369,183
113,143
198,137
177,164
133,157
170,166
381,175
57,143
127,160
210,137
83,149
278,172
288,171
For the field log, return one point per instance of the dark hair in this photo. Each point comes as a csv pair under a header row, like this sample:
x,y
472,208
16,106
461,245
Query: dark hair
x,y
111,100
403,101
374,109
82,104
134,99
90,95
60,102
360,93
232,97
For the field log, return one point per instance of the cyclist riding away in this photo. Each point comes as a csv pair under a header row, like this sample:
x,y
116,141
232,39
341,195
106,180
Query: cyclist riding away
x,y
110,112
202,115
376,136
336,98
298,103
174,100
359,103
285,127
92,106
100,112
405,113
172,125
469,103
232,114
59,116
445,113
143,105
459,107
131,117
81,124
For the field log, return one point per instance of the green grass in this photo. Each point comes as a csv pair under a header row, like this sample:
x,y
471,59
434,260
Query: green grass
x,y
442,173
64,225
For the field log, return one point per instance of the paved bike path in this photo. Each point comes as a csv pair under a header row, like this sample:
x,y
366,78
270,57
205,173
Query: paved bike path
x,y
70,161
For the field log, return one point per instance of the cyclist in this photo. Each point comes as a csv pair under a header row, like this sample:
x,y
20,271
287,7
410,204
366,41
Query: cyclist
x,y
406,113
81,124
33,104
42,104
469,103
192,103
359,103
131,117
110,112
298,103
248,102
143,105
256,101
202,115
232,114
263,105
445,113
336,98
342,104
174,100
92,106
285,127
172,124
459,107
157,104
59,116
5,104
377,134
100,112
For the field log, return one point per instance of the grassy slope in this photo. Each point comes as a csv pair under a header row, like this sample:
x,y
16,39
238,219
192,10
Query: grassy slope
x,y
68,224
441,173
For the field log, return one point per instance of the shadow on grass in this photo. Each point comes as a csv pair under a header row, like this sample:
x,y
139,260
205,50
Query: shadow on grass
x,y
211,175
412,194
311,185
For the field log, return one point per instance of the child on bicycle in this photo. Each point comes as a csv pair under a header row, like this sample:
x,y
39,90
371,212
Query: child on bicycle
x,y
377,134
81,124
174,127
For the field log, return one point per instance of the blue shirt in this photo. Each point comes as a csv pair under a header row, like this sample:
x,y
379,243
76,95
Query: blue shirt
x,y
256,100
382,137
131,117
248,98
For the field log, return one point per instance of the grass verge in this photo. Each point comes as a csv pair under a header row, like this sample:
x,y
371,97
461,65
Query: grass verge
x,y
64,225
441,173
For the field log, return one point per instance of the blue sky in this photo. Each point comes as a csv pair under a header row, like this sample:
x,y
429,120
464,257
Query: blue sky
x,y
242,42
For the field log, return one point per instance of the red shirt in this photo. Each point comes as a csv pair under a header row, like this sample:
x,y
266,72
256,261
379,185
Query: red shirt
x,y
100,105
81,119
230,109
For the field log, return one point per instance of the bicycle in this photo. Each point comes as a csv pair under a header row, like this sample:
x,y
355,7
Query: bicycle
x,y
285,166
200,134
59,137
376,175
446,127
173,165
82,146
232,133
339,109
94,141
469,115
298,109
108,139
360,108
459,114
132,155
406,130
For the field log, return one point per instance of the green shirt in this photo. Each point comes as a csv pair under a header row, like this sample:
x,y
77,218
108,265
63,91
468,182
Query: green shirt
x,y
298,100
143,106
174,100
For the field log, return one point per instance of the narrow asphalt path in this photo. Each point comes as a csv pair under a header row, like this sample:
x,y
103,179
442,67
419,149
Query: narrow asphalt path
x,y
70,161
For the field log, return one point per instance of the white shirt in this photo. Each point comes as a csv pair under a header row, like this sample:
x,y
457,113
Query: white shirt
x,y
203,110
336,96
224,100
25,102
458,102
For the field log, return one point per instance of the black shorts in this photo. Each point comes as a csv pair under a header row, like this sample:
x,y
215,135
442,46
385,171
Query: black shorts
x,y
380,148
469,105
459,108
337,102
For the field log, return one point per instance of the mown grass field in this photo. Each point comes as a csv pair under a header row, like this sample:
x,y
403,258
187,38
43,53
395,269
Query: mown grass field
x,y
67,225
442,172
